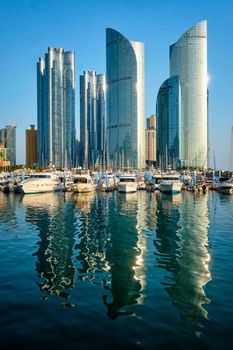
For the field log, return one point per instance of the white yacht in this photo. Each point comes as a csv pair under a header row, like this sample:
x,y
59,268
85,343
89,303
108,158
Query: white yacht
x,y
128,183
171,186
83,183
170,183
42,182
225,185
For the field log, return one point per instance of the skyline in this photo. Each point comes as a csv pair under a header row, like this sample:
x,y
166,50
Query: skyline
x,y
147,23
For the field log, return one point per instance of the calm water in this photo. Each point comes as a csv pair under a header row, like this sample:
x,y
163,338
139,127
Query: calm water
x,y
115,271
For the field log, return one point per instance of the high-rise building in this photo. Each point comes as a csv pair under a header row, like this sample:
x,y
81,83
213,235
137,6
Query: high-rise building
x,y
151,140
125,101
31,146
188,60
188,83
231,149
92,118
8,140
56,108
168,124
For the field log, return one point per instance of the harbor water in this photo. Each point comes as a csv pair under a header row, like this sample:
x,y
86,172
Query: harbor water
x,y
116,271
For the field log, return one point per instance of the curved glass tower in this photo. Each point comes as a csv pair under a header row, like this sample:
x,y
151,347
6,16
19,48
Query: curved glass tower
x,y
188,60
168,131
125,102
56,108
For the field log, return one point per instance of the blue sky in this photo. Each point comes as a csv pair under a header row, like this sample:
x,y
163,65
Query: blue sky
x,y
29,27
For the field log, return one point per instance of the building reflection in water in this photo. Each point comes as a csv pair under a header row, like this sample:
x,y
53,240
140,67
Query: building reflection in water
x,y
182,249
124,255
92,237
54,217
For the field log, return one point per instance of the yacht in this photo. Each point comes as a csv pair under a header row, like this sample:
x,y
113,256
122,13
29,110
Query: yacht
x,y
225,185
107,183
42,182
170,183
128,183
83,183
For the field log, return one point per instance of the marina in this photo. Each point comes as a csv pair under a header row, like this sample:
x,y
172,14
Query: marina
x,y
133,270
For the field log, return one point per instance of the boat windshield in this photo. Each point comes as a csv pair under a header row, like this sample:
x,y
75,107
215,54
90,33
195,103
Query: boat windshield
x,y
35,176
130,179
80,180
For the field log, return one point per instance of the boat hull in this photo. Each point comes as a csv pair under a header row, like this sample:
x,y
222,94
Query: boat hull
x,y
171,188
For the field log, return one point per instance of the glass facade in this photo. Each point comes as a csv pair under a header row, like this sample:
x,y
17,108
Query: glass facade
x,y
168,124
188,60
92,119
56,108
125,102
8,138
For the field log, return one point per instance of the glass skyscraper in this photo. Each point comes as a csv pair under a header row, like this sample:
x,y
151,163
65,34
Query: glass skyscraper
x,y
168,124
8,139
125,101
92,119
188,62
56,108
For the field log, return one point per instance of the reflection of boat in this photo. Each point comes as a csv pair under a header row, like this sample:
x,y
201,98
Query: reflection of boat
x,y
225,185
170,186
44,201
83,183
42,182
127,184
84,201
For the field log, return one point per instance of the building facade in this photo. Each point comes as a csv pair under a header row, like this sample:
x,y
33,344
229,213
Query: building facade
x,y
231,153
151,141
31,146
56,108
125,102
8,141
169,124
188,61
92,119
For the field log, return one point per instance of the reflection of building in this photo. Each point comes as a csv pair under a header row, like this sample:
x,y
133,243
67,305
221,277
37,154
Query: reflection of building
x,y
92,118
31,146
182,251
124,259
56,224
151,141
125,101
56,108
8,138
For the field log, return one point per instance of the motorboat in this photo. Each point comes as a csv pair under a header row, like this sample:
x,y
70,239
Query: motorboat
x,y
107,183
225,185
128,183
42,182
83,183
170,186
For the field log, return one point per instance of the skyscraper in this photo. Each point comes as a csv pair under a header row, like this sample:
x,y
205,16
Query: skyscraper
x,y
188,60
31,146
151,140
56,108
8,140
92,118
125,101
182,100
168,124
231,149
